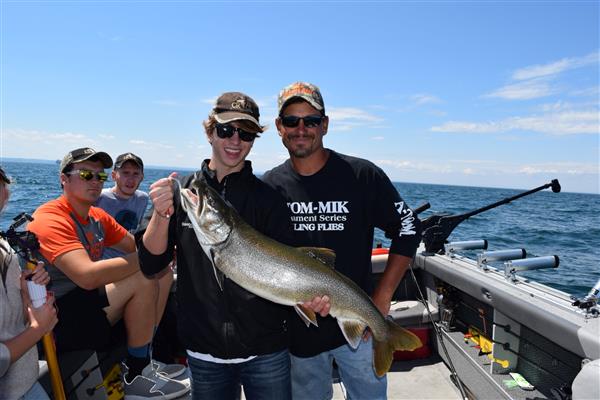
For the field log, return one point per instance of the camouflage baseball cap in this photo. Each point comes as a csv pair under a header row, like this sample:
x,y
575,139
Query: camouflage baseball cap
x,y
301,90
83,154
234,106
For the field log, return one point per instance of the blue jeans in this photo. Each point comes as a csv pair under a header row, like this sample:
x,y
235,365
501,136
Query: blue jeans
x,y
311,376
36,392
263,377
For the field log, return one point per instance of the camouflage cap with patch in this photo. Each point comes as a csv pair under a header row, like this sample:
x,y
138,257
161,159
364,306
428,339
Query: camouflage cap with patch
x,y
301,90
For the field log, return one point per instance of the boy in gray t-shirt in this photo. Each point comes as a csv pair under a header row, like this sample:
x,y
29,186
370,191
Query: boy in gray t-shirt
x,y
124,201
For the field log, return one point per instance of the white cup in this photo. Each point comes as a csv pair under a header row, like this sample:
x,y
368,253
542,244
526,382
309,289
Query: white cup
x,y
37,294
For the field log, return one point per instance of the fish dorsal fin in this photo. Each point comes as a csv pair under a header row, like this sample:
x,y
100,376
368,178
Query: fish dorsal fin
x,y
307,315
218,274
326,256
353,331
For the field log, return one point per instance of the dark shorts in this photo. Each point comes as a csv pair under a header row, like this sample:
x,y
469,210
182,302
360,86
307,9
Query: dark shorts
x,y
82,322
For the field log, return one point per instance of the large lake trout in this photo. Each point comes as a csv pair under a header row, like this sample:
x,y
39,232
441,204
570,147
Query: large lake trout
x,y
288,275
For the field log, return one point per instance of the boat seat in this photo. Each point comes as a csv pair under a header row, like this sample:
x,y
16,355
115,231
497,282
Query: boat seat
x,y
412,313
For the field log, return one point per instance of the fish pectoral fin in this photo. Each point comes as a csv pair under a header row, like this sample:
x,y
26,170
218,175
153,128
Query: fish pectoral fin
x,y
353,331
307,315
218,274
326,256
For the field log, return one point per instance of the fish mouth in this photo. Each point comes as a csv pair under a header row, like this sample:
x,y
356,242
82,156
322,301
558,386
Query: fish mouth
x,y
190,201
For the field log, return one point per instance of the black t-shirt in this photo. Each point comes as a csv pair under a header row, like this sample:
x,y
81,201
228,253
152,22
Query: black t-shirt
x,y
338,208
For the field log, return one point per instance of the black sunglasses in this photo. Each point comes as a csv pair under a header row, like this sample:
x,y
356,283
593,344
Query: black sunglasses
x,y
88,175
310,121
225,131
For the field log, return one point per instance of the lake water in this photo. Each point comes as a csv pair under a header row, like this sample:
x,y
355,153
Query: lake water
x,y
544,223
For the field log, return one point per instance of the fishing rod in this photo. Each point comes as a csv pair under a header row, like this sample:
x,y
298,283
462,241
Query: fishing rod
x,y
437,228
589,302
24,243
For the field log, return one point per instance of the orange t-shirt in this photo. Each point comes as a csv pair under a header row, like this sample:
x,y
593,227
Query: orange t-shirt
x,y
57,233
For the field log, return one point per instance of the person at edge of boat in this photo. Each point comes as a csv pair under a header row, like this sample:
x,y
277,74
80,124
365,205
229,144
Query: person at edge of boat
x,y
127,205
231,336
21,325
348,196
124,201
93,295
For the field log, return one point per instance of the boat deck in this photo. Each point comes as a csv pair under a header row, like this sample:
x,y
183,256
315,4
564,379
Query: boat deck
x,y
425,379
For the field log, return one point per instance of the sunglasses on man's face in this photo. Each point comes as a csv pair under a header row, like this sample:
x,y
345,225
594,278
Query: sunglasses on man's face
x,y
88,175
225,131
310,121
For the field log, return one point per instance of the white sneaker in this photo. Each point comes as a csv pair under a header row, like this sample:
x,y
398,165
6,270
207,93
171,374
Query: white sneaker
x,y
152,386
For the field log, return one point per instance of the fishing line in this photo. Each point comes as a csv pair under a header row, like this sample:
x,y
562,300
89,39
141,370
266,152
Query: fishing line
x,y
454,374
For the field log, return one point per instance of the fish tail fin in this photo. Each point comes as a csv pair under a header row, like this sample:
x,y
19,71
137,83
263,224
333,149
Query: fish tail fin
x,y
398,338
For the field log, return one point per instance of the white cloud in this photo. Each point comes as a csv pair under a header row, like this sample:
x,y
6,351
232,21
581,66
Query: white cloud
x,y
150,145
424,98
422,166
30,136
342,114
569,168
106,136
568,122
344,119
523,90
491,168
587,92
467,127
378,138
554,68
535,81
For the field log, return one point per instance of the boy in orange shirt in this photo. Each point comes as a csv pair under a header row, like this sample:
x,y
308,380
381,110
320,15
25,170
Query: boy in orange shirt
x,y
92,294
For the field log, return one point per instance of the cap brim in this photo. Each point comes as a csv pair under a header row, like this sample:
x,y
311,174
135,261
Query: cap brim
x,y
230,116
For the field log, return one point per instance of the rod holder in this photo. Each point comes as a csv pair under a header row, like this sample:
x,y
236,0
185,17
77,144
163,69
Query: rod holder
x,y
511,267
450,248
499,255
590,300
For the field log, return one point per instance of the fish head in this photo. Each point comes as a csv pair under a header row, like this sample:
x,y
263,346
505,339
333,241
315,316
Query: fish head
x,y
209,214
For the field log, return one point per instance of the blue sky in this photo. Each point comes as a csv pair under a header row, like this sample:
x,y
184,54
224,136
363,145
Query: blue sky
x,y
499,94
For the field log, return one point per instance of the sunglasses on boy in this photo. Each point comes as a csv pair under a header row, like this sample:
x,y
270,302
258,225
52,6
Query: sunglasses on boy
x,y
88,175
225,131
310,121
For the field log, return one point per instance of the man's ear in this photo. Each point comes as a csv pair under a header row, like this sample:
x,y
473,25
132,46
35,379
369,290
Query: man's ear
x,y
325,124
279,126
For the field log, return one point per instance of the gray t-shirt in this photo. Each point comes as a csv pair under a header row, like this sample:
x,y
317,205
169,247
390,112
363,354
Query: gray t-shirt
x,y
128,213
15,379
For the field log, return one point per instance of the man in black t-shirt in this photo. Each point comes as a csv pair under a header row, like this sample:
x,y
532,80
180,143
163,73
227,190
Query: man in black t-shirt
x,y
335,202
